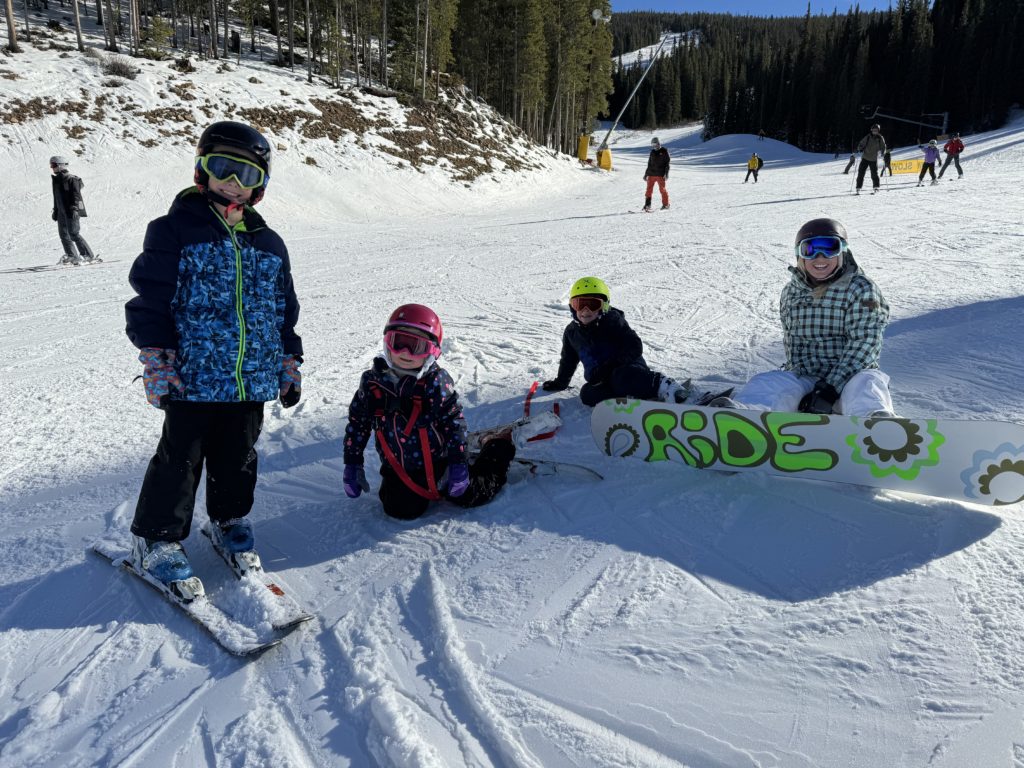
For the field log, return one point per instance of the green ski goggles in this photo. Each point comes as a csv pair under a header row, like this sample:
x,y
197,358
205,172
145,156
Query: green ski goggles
x,y
223,168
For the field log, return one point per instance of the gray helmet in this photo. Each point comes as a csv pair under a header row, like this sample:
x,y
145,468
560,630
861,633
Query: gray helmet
x,y
655,142
933,143
58,160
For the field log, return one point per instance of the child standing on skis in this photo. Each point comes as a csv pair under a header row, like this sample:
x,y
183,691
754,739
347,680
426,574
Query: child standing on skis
x,y
833,318
611,352
931,156
408,402
214,319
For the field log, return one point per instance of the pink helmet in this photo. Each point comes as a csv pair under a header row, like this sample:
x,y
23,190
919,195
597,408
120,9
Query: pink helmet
x,y
418,317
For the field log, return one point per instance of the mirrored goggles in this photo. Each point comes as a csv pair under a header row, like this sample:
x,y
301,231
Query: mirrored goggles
x,y
593,303
409,343
246,173
827,247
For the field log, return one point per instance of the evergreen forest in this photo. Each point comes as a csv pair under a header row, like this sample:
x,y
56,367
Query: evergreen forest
x,y
819,82
553,66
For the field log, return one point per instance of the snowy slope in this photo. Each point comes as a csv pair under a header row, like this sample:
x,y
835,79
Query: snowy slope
x,y
671,40
660,617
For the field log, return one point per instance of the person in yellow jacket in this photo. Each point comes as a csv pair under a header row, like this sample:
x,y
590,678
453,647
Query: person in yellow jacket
x,y
753,166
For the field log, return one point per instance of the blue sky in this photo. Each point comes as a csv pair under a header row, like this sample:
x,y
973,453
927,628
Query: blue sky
x,y
747,7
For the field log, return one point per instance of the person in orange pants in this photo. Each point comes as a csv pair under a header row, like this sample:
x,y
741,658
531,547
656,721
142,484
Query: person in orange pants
x,y
657,173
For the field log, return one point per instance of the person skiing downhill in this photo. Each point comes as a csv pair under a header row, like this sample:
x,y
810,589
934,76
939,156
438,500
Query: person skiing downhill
x,y
611,352
657,173
833,317
214,319
68,210
953,148
931,156
871,147
409,403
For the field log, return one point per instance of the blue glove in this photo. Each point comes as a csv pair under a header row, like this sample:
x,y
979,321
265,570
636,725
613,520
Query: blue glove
x,y
354,480
458,479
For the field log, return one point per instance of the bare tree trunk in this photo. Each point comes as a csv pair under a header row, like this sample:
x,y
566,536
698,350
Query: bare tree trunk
x,y
12,31
384,45
78,26
426,47
355,46
212,49
291,34
28,30
174,24
309,49
225,9
110,28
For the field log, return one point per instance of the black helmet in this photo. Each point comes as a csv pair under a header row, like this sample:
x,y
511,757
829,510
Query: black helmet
x,y
820,228
228,133
876,127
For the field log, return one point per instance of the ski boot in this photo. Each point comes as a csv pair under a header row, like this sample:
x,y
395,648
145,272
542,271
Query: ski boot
x,y
665,207
166,562
671,391
234,541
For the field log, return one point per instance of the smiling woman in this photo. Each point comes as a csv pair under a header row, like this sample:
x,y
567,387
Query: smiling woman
x,y
833,317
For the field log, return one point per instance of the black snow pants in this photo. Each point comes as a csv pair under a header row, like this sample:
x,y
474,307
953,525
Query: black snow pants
x,y
866,165
633,380
487,475
69,231
220,435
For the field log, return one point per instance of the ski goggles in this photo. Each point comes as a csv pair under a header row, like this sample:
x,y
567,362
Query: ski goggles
x,y
593,303
411,344
826,246
223,168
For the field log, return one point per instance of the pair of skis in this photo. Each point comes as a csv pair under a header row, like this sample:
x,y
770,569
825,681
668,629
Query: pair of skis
x,y
274,612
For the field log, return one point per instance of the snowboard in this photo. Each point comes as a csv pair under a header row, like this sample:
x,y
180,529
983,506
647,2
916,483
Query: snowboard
x,y
981,462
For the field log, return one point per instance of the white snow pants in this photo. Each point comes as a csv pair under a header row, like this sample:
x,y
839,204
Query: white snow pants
x,y
865,393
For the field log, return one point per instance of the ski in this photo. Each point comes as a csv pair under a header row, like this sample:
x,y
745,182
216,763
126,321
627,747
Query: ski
x,y
53,267
276,602
233,636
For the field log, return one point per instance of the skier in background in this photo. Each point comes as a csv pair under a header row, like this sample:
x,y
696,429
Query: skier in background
x,y
753,166
409,403
833,318
870,148
657,173
849,165
611,352
214,319
953,148
68,209
931,156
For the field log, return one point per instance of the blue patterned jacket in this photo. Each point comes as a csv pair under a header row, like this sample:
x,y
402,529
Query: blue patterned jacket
x,y
222,297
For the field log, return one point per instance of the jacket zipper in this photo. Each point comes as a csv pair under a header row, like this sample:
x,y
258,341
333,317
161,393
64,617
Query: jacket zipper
x,y
238,309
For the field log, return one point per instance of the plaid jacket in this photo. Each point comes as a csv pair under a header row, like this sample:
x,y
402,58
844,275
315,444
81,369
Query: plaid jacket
x,y
838,333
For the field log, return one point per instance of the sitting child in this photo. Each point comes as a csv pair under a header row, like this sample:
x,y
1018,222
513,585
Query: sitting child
x,y
409,403
611,352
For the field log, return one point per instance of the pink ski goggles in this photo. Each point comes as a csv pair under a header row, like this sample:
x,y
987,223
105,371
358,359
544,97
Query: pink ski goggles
x,y
411,344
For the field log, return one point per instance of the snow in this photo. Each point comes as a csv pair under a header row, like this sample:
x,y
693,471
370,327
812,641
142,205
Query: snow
x,y
671,40
660,617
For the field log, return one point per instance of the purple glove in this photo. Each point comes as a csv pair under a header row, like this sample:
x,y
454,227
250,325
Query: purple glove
x,y
354,480
159,375
290,380
458,479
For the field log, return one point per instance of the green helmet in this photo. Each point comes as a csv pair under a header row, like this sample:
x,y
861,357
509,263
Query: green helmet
x,y
591,286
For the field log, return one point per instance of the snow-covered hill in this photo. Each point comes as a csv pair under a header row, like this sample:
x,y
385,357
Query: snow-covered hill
x,y
660,617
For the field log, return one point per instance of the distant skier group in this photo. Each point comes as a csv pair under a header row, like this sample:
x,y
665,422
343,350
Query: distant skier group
x,y
873,146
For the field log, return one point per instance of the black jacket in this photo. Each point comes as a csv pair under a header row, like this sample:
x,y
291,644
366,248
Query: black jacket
x,y
67,195
602,346
657,165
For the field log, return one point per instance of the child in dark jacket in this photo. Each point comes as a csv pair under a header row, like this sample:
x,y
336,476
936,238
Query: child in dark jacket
x,y
611,352
214,318
408,402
